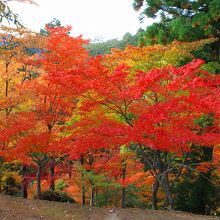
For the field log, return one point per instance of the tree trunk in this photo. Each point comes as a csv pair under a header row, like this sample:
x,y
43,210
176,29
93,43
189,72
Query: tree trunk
x,y
0,184
70,170
97,198
166,187
166,202
1,172
52,176
155,188
38,178
24,183
106,196
92,197
123,198
157,164
83,198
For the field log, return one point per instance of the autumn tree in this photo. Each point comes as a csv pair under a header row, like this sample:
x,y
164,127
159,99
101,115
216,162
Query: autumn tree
x,y
153,111
55,95
14,97
184,21
160,56
145,58
103,162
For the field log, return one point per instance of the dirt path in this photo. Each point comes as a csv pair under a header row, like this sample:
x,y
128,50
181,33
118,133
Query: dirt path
x,y
112,216
12,208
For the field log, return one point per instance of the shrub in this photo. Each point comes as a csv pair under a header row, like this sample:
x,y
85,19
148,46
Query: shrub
x,y
56,196
60,185
11,183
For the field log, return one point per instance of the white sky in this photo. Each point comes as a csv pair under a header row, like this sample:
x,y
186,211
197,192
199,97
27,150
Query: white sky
x,y
91,18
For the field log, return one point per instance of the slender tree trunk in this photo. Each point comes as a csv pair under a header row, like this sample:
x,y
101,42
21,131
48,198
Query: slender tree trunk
x,y
0,180
155,188
6,95
1,171
97,197
52,174
157,164
24,183
169,198
0,184
123,198
92,197
70,170
106,196
166,187
166,202
83,198
38,178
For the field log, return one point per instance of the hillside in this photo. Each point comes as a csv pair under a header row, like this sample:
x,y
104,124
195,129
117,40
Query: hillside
x,y
12,208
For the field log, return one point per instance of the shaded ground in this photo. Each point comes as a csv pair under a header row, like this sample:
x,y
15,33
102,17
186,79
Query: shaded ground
x,y
12,208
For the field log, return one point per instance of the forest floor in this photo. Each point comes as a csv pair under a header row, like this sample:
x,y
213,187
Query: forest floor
x,y
13,208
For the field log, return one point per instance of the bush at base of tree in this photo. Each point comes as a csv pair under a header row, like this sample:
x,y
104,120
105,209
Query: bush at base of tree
x,y
196,192
56,196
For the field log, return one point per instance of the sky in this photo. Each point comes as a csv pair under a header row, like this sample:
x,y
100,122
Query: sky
x,y
105,19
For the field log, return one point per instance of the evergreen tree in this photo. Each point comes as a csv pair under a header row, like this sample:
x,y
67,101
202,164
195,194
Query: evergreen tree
x,y
182,20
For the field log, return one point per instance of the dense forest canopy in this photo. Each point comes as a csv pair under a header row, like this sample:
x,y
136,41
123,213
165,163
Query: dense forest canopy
x,y
131,122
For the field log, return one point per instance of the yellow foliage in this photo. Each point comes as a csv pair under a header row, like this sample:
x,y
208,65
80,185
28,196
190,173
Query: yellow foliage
x,y
13,175
146,58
